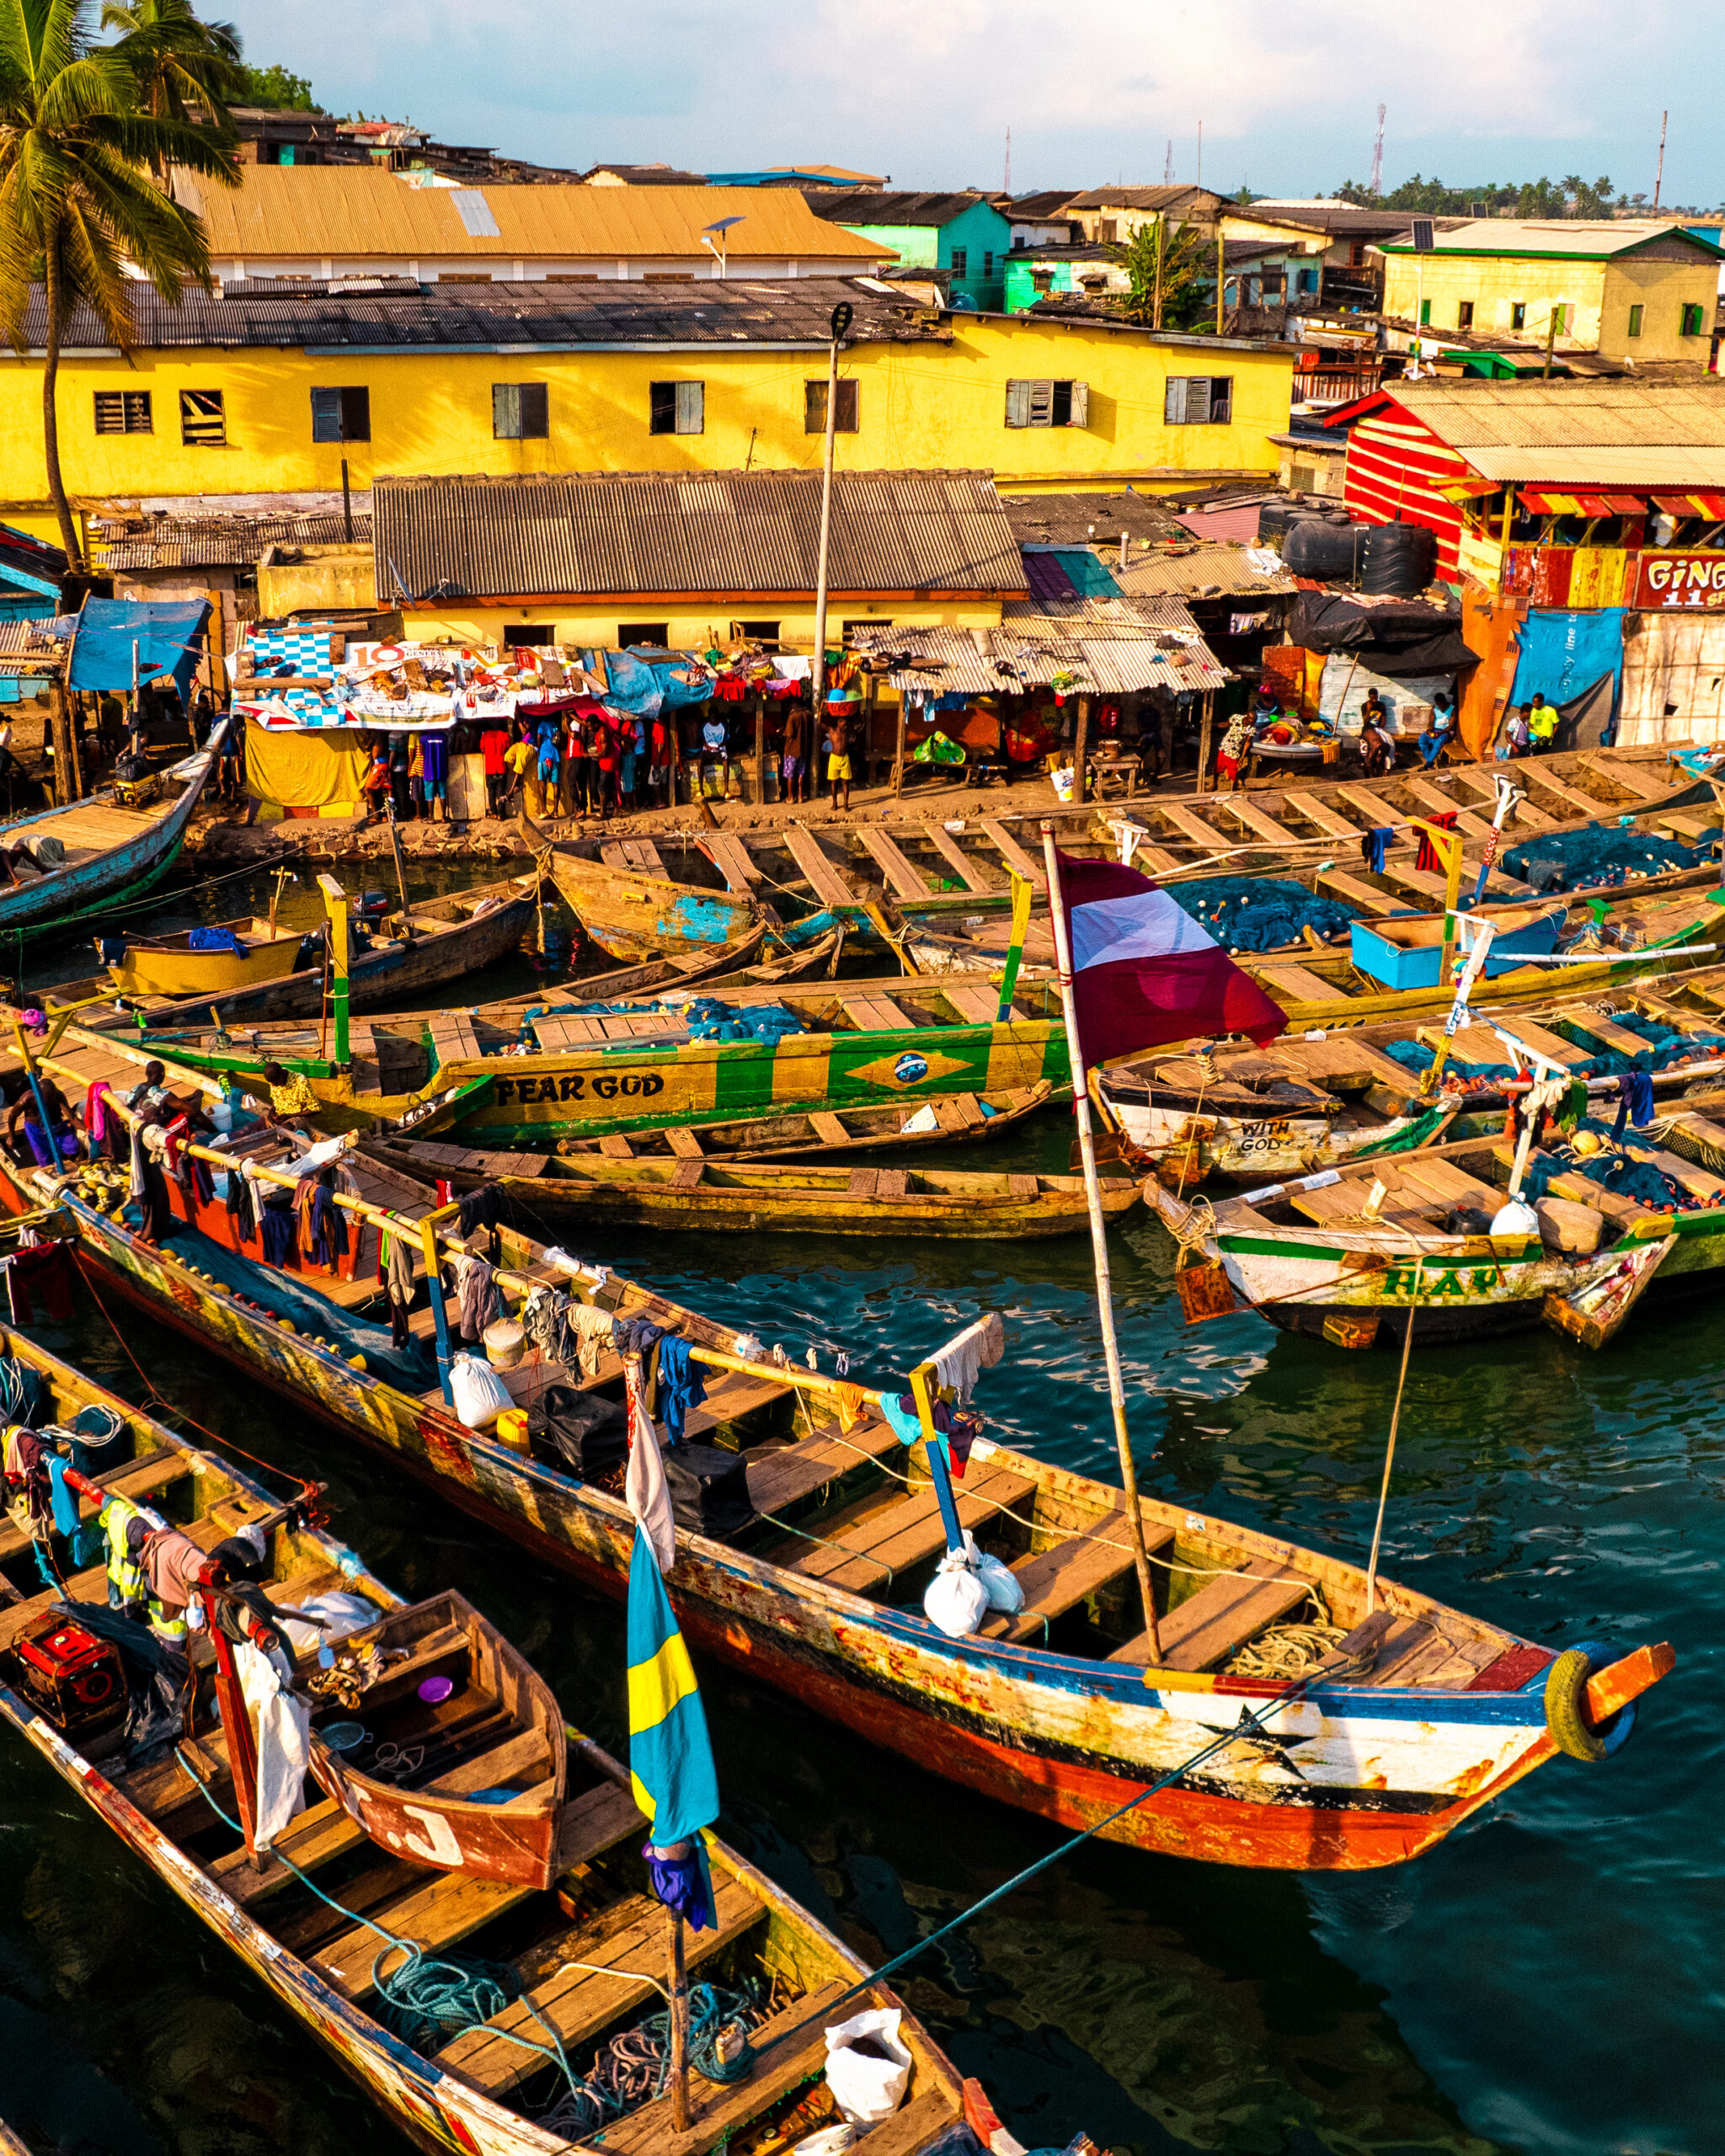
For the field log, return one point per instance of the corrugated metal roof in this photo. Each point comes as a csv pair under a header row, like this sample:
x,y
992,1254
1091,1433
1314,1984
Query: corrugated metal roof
x,y
164,544
300,211
1033,649
1595,239
1626,433
1139,198
643,534
794,311
1213,572
857,205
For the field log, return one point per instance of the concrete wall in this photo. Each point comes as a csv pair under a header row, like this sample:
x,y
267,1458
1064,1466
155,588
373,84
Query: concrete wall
x,y
920,407
1497,284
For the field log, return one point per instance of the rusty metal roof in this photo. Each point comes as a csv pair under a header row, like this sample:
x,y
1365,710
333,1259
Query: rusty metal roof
x,y
281,315
724,533
1099,646
167,543
301,211
1204,571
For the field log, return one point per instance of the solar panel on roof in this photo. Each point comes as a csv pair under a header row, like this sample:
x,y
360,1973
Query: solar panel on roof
x,y
474,212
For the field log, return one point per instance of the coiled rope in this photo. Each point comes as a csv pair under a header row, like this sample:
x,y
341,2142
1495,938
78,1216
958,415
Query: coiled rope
x,y
428,1995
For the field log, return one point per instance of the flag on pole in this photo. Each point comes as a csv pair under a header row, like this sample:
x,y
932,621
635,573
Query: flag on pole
x,y
1144,972
670,1755
644,1484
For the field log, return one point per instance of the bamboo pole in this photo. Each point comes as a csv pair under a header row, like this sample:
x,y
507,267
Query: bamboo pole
x,y
1080,753
898,760
1099,1238
401,875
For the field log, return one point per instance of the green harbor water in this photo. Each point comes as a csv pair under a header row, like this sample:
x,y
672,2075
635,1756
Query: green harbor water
x,y
1547,1979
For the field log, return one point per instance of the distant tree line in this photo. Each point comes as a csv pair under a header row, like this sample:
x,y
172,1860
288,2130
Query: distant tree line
x,y
1570,197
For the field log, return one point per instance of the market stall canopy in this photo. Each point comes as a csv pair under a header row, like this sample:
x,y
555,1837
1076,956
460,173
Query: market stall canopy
x,y
170,636
723,534
1086,647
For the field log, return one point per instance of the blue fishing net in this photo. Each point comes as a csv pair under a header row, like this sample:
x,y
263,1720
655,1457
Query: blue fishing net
x,y
1249,913
1580,860
1417,1055
710,1017
1665,1046
1639,1180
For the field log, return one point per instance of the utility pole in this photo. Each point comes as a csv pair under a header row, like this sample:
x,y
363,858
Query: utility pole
x,y
840,323
1198,180
1659,176
1156,302
1168,164
1006,177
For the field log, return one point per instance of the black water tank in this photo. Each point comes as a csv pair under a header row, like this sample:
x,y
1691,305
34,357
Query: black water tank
x,y
1273,518
1323,547
1398,560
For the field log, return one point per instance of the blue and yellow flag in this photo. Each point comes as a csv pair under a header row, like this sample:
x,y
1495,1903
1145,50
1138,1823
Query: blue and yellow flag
x,y
670,1757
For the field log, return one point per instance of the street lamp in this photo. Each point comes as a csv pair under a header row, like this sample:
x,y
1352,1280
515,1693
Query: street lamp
x,y
840,323
720,247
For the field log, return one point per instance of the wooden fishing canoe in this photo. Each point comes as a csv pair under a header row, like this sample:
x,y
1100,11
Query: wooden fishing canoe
x,y
1316,1255
692,1193
1312,1101
111,851
951,1119
588,1074
632,916
441,1875
435,941
168,969
1066,1709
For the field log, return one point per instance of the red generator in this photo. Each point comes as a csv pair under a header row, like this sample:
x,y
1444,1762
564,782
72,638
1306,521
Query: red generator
x,y
68,1674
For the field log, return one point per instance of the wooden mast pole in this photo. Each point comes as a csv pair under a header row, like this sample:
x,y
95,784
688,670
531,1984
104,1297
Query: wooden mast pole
x,y
242,1752
1099,1237
679,2027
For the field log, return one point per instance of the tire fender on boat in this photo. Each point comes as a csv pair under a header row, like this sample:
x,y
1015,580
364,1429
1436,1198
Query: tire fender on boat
x,y
1566,1708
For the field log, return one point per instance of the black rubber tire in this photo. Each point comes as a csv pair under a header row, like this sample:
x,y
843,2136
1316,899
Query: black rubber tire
x,y
1566,1707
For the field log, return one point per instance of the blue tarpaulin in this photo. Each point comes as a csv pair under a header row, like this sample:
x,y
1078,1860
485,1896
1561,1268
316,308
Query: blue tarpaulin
x,y
646,685
169,639
1563,654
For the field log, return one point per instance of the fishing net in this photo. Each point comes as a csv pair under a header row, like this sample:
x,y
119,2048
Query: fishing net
x,y
1251,912
710,1017
1614,1171
1580,860
1665,1046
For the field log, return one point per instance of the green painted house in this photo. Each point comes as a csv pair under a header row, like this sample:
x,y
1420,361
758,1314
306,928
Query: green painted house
x,y
964,234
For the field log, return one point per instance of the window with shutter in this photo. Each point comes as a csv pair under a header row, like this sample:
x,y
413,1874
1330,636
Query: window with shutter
x,y
691,407
520,411
1080,405
961,261
1018,403
662,408
123,412
1221,400
1174,401
202,423
1060,404
341,415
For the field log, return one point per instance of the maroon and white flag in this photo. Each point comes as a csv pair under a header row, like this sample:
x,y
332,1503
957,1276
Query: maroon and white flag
x,y
1145,974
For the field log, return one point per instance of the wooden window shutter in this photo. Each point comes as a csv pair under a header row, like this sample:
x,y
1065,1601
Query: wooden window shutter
x,y
1018,403
1080,405
691,407
1174,401
1041,403
506,411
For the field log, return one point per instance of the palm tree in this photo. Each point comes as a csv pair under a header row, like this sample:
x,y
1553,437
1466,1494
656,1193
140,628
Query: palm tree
x,y
179,60
78,206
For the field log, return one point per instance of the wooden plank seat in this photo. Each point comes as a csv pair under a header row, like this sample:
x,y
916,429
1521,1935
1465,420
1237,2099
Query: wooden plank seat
x,y
718,2112
449,1907
781,1478
824,879
906,879
730,1395
890,1540
321,1833
1289,983
581,2003
1014,853
969,871
1221,1617
874,1014
1057,1580
977,1003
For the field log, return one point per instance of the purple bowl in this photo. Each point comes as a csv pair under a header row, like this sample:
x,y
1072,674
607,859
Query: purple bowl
x,y
436,1689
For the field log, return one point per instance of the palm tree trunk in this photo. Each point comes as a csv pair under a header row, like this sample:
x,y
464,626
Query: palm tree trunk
x,y
50,425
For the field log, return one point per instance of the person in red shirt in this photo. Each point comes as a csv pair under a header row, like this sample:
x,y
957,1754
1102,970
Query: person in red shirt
x,y
604,753
492,744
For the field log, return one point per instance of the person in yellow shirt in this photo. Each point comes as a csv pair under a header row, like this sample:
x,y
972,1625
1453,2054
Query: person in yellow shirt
x,y
1542,724
291,1094
522,758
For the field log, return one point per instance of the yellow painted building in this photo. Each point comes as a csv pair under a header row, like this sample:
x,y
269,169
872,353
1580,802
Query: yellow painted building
x,y
250,397
1629,289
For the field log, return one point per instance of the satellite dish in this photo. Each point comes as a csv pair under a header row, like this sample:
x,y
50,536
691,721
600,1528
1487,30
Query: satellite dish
x,y
841,315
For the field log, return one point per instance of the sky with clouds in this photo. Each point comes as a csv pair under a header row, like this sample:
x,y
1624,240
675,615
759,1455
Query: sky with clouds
x,y
925,90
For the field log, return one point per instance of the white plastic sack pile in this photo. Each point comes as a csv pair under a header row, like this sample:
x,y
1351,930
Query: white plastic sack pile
x,y
480,1395
868,2090
968,1584
830,2141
